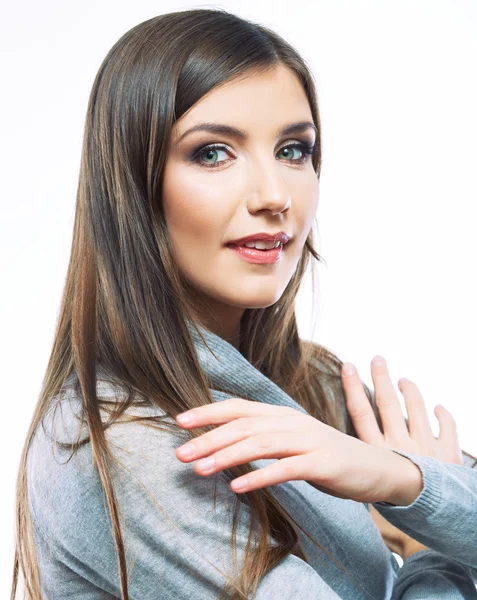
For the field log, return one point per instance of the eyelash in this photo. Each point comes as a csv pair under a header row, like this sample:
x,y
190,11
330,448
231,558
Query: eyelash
x,y
307,148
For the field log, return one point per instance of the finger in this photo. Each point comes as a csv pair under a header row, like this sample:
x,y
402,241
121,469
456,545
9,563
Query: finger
x,y
448,435
263,446
286,469
359,408
282,430
418,419
387,401
228,410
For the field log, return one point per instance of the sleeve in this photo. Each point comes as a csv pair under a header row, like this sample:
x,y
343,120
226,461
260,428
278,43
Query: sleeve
x,y
443,516
428,575
177,540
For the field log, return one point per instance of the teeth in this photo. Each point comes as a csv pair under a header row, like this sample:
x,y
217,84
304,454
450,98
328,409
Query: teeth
x,y
262,245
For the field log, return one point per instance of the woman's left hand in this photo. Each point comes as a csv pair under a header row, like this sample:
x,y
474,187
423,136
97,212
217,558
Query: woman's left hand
x,y
336,463
417,439
417,436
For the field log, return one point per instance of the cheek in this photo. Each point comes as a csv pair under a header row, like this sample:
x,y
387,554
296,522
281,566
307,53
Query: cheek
x,y
306,204
198,212
194,210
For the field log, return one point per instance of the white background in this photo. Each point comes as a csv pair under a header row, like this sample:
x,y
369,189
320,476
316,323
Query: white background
x,y
398,95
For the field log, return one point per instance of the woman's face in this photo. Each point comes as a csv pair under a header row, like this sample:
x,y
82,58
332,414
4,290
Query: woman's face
x,y
260,182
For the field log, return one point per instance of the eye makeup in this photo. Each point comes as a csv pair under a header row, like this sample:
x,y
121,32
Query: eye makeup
x,y
307,149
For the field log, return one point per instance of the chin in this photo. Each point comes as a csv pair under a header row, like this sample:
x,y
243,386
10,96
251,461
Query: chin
x,y
257,299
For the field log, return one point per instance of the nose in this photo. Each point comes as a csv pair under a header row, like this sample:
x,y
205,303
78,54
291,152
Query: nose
x,y
275,206
272,194
268,187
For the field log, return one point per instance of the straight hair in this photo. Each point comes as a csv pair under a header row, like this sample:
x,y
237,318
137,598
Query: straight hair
x,y
125,304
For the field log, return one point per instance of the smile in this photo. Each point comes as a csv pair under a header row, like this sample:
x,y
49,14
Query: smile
x,y
257,256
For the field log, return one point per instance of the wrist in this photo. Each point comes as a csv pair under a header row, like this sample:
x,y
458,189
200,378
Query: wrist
x,y
407,481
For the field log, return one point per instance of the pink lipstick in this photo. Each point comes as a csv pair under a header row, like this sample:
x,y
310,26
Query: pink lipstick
x,y
258,256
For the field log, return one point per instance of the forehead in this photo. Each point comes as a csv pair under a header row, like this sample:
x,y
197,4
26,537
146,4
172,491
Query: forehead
x,y
254,102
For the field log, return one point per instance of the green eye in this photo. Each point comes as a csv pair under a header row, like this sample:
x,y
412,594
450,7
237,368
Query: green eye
x,y
203,155
287,149
209,153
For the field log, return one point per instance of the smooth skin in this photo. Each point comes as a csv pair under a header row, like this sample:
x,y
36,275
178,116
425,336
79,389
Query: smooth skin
x,y
364,469
263,181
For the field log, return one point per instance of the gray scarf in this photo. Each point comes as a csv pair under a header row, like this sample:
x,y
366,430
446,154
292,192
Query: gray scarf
x,y
231,370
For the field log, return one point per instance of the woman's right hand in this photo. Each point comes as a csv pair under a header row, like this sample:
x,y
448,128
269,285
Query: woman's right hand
x,y
364,470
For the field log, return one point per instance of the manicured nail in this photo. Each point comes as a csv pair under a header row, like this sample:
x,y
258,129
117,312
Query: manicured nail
x,y
379,361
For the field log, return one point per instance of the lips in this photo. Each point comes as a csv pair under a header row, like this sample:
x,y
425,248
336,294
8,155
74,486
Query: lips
x,y
280,236
252,255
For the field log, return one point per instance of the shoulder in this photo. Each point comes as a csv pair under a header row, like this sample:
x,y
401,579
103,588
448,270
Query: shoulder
x,y
64,482
167,513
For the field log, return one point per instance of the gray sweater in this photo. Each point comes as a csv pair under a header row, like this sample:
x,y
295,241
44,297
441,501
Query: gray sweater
x,y
178,543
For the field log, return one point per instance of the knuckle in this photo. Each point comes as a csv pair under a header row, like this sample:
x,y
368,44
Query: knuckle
x,y
358,414
245,426
289,470
384,402
265,443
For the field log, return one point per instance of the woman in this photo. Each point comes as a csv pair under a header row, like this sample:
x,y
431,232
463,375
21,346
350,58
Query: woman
x,y
202,130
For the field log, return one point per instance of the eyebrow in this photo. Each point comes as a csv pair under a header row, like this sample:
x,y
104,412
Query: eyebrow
x,y
219,128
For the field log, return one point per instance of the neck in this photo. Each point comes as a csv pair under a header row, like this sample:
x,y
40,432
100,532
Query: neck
x,y
218,317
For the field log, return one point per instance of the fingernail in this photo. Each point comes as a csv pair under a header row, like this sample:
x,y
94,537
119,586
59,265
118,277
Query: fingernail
x,y
207,464
348,369
185,418
379,361
187,450
239,484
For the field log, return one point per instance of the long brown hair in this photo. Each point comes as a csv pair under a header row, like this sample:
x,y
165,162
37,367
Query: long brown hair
x,y
124,307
